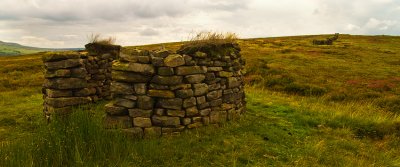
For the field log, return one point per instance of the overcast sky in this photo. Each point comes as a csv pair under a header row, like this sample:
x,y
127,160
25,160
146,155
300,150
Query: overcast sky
x,y
67,23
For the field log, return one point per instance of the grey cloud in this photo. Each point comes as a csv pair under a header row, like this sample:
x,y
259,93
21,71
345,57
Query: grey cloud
x,y
149,32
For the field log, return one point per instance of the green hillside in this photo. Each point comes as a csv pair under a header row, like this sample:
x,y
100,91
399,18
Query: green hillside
x,y
308,105
13,49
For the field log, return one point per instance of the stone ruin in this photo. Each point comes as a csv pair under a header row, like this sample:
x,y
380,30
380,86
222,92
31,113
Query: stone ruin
x,y
153,92
328,41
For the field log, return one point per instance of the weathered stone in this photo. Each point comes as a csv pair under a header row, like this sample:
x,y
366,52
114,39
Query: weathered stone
x,y
176,113
203,106
158,86
200,89
218,116
56,56
124,103
58,93
166,121
226,106
57,73
63,64
215,102
85,92
134,58
67,101
214,86
214,69
195,125
120,88
118,122
130,77
159,111
184,93
196,119
233,82
140,113
157,61
180,86
111,109
192,111
197,78
174,60
186,121
162,53
213,95
201,99
205,112
152,132
189,70
200,55
79,73
142,122
210,76
140,89
145,69
219,64
225,74
65,83
135,132
189,60
189,102
145,102
175,103
167,80
165,71
161,93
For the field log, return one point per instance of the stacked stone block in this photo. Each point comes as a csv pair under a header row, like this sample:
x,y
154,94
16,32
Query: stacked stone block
x,y
75,78
160,92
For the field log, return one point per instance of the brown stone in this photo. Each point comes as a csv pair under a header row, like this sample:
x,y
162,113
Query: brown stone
x,y
213,95
192,111
189,102
159,111
200,54
120,88
57,73
56,56
180,86
201,99
145,69
142,122
166,121
111,109
69,63
197,78
161,93
200,89
172,130
79,73
205,112
218,116
184,93
140,113
174,60
145,102
214,69
58,93
124,103
206,120
140,89
157,61
65,83
195,125
225,74
233,82
67,101
176,113
165,71
167,80
217,102
175,103
189,70
186,121
130,77
85,92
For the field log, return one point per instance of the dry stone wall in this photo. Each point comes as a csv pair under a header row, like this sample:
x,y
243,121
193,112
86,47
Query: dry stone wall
x,y
75,78
160,92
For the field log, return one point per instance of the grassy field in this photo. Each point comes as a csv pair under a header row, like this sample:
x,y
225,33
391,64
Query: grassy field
x,y
13,49
307,106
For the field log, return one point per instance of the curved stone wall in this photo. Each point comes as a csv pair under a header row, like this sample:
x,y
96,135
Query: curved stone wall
x,y
159,92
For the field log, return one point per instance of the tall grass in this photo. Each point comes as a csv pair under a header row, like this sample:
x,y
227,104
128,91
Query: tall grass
x,y
209,37
96,38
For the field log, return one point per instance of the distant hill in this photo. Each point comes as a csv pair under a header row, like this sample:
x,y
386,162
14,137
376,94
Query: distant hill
x,y
15,49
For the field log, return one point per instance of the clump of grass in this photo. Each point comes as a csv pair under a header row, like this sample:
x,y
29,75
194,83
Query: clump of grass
x,y
96,38
209,37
